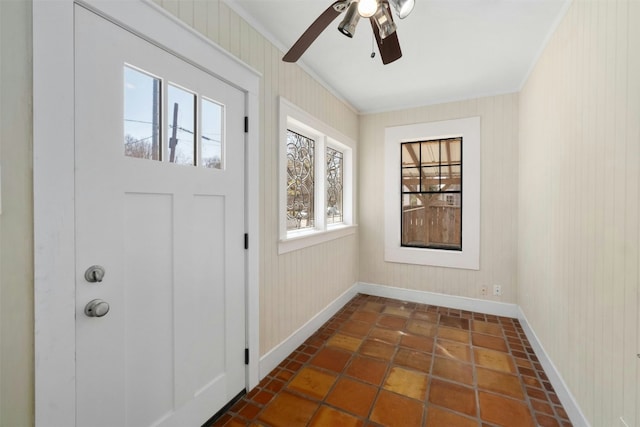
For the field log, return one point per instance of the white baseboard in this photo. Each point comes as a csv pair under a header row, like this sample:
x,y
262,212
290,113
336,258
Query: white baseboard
x,y
450,301
566,398
280,352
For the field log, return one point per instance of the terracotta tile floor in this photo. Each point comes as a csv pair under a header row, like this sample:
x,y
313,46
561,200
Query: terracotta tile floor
x,y
383,362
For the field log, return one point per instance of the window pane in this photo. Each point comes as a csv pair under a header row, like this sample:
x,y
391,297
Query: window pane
x,y
431,179
141,115
211,140
411,154
430,151
451,178
334,186
300,181
452,150
411,180
181,118
430,221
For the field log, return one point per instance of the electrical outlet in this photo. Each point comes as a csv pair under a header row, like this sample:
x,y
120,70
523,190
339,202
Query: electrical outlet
x,y
497,290
483,291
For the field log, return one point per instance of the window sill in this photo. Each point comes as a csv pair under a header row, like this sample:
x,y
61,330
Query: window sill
x,y
305,240
468,259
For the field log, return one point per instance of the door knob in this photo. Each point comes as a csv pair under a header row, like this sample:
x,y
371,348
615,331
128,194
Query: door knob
x,y
94,274
96,308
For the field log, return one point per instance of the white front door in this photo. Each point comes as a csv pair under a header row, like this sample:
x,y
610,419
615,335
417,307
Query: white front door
x,y
159,205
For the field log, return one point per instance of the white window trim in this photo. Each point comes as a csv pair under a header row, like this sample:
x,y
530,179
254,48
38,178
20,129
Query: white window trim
x,y
293,117
469,130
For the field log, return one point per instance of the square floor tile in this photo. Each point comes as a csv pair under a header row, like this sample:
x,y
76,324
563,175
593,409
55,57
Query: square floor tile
x,y
367,369
453,370
327,416
344,342
375,307
453,350
453,334
288,410
489,341
437,417
424,344
453,396
454,322
428,316
353,396
486,328
503,411
312,382
355,328
393,410
392,322
499,382
406,382
543,407
377,349
423,328
546,421
496,360
413,359
386,335
397,311
365,316
331,359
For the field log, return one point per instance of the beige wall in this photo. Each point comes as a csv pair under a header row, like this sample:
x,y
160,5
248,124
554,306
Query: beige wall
x,y
578,205
16,220
499,183
297,285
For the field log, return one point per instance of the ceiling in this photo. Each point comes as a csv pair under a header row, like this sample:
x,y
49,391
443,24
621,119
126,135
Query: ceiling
x,y
452,49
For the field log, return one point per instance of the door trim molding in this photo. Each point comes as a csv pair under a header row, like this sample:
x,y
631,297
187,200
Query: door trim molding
x,y
53,169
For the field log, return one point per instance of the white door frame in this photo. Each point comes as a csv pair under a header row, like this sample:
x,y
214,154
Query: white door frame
x,y
53,168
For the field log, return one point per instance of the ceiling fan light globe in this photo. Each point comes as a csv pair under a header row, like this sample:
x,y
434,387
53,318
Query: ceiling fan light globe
x,y
403,7
367,8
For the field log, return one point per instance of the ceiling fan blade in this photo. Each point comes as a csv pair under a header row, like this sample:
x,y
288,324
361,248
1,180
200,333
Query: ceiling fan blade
x,y
314,31
390,46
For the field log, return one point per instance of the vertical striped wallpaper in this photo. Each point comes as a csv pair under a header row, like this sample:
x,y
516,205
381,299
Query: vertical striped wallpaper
x,y
16,220
578,252
499,185
294,286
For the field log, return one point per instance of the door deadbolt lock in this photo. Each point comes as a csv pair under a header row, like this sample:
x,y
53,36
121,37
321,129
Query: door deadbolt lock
x,y
94,274
96,308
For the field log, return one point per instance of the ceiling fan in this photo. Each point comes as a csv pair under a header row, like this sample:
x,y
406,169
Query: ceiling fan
x,y
377,11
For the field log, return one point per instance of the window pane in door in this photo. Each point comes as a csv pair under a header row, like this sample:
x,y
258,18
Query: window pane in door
x,y
141,114
211,140
181,126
